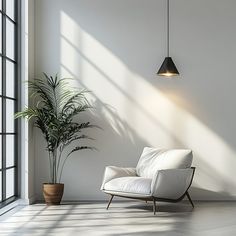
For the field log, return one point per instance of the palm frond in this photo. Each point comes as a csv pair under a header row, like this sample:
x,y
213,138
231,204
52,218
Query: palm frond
x,y
80,148
76,137
56,106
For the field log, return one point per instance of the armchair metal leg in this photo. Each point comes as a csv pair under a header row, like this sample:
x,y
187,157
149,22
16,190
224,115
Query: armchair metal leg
x,y
154,206
189,198
110,201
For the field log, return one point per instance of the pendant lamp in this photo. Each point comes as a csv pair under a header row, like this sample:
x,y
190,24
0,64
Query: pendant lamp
x,y
168,67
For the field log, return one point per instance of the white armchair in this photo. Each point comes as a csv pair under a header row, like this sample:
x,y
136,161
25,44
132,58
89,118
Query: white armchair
x,y
160,175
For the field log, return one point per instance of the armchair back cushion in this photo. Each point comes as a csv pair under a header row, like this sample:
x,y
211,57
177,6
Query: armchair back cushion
x,y
153,159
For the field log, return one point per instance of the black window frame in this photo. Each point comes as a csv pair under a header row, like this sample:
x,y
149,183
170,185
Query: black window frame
x,y
16,99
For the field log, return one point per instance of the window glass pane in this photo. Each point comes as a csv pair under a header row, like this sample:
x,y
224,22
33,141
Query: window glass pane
x,y
0,31
10,148
0,151
0,115
0,75
9,116
0,4
10,73
10,34
0,185
10,6
10,182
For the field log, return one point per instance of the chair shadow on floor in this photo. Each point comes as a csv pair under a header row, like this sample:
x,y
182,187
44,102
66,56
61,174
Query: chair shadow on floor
x,y
164,207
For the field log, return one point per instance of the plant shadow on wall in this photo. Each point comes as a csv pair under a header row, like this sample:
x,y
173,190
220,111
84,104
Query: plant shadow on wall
x,y
110,142
54,112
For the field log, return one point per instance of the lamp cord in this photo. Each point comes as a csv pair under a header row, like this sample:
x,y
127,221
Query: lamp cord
x,y
168,27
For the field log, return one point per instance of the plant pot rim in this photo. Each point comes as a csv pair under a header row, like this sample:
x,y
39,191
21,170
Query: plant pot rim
x,y
53,184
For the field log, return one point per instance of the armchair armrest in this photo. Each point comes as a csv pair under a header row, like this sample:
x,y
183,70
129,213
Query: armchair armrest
x,y
171,183
112,172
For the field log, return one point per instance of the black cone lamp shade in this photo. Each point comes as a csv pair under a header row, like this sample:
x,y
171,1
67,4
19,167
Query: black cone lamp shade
x,y
168,68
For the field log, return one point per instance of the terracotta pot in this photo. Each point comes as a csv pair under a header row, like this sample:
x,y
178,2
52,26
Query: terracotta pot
x,y
53,193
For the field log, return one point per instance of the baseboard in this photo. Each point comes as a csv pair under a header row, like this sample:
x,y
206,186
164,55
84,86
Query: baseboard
x,y
31,200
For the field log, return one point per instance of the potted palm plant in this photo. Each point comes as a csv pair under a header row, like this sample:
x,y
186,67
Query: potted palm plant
x,y
54,114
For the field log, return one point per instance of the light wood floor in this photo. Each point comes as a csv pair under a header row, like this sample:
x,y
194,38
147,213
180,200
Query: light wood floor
x,y
123,218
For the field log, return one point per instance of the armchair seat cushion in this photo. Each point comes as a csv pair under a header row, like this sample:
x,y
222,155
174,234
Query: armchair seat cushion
x,y
136,185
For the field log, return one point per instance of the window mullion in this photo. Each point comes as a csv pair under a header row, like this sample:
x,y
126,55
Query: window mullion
x,y
17,95
3,102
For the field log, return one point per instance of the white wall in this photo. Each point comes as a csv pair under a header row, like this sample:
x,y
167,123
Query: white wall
x,y
114,48
27,138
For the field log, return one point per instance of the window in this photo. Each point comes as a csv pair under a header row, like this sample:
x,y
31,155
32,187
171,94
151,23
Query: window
x,y
9,99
